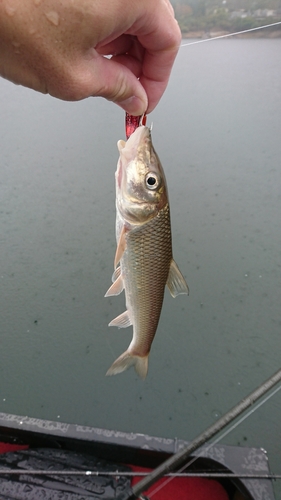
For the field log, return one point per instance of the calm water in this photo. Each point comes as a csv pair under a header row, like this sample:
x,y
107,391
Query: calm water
x,y
217,132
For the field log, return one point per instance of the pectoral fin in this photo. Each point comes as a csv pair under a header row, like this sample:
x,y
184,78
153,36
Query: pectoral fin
x,y
120,247
176,282
122,321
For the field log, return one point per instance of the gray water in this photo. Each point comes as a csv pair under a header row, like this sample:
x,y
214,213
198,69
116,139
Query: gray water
x,y
217,132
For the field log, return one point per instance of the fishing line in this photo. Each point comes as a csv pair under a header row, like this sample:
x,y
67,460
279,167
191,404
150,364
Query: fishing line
x,y
230,34
223,435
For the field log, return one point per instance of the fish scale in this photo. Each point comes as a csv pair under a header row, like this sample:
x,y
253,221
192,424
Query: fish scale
x,y
148,247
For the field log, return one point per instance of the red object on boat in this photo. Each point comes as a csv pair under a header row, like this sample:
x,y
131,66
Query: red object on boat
x,y
133,122
184,488
5,447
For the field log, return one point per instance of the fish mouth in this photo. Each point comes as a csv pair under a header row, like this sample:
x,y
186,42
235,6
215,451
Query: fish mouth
x,y
140,138
129,150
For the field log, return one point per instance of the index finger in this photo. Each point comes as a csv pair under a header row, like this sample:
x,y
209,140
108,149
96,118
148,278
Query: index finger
x,y
161,43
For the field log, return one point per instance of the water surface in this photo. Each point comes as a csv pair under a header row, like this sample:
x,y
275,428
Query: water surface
x,y
217,132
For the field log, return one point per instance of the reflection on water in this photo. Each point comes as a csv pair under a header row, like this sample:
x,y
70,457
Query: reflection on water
x,y
217,132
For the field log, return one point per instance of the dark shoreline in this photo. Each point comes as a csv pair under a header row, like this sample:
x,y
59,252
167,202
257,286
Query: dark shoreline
x,y
262,33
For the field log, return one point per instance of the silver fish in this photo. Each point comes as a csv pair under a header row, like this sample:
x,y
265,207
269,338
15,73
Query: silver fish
x,y
144,247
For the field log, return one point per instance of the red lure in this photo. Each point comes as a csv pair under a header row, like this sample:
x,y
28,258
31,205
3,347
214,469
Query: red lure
x,y
133,122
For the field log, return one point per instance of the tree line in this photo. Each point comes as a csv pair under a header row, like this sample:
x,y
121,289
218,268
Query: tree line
x,y
226,15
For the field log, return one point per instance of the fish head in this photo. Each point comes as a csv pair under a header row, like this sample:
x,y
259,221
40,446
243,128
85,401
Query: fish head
x,y
141,189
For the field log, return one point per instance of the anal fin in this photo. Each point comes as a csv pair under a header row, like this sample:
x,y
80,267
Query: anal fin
x,y
121,321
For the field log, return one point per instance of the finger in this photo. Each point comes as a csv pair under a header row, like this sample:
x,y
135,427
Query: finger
x,y
170,7
155,76
112,79
120,45
131,63
160,52
126,45
156,72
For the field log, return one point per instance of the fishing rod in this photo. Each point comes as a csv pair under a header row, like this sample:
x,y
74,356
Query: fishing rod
x,y
117,473
180,458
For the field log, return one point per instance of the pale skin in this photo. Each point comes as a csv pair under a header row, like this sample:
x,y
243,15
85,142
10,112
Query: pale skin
x,y
58,47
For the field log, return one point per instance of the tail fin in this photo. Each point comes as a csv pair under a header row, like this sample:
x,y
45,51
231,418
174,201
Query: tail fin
x,y
126,360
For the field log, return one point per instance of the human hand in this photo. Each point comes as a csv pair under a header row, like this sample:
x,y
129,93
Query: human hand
x,y
58,47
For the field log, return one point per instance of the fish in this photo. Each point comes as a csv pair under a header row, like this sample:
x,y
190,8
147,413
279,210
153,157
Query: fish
x,y
144,262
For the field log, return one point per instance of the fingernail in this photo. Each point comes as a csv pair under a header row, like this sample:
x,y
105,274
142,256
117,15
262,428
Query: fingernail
x,y
134,106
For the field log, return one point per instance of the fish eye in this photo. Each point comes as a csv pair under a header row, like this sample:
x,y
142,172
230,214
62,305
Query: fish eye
x,y
152,181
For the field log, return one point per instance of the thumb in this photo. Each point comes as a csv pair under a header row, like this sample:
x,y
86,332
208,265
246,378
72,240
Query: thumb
x,y
117,83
